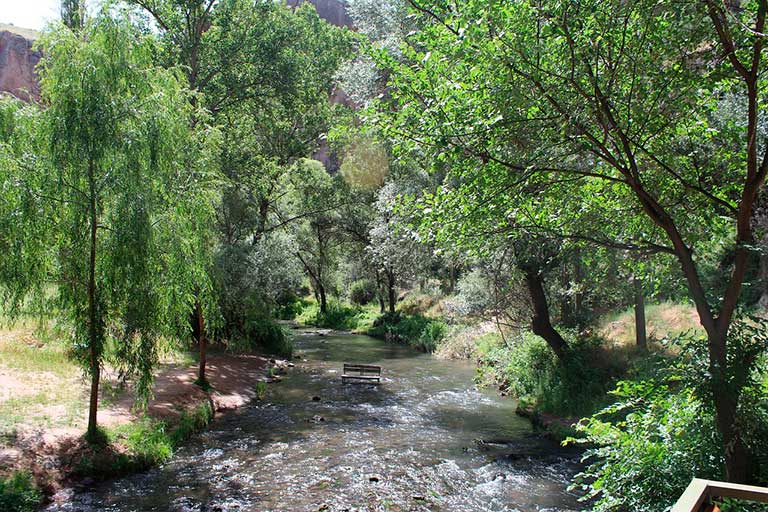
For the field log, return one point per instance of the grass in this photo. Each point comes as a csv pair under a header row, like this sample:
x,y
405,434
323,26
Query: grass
x,y
339,316
140,444
664,320
261,390
420,332
42,387
18,493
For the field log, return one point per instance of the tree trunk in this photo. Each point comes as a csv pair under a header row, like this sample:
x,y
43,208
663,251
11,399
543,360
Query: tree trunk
x,y
452,279
323,298
202,343
640,336
391,292
541,323
94,340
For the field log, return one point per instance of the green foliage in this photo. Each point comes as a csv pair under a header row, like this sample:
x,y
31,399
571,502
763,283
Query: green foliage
x,y
18,493
475,293
256,279
261,332
528,369
362,292
661,432
337,316
190,422
650,444
420,332
261,390
121,178
142,444
148,442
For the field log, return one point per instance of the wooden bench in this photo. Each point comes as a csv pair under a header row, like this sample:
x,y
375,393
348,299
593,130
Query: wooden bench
x,y
361,372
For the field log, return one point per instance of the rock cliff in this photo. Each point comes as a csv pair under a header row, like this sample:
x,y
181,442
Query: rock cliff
x,y
17,65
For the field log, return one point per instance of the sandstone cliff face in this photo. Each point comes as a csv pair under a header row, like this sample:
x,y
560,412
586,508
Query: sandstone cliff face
x,y
332,11
17,66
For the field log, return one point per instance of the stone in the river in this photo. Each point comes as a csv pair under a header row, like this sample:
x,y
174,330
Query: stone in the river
x,y
374,478
315,398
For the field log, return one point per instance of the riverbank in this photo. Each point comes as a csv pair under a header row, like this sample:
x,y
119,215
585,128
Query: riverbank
x,y
43,417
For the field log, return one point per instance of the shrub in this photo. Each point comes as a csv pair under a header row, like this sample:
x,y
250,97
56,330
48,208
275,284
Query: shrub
x,y
577,385
261,390
190,422
474,295
362,292
418,331
18,493
289,306
661,432
432,334
337,316
269,335
649,445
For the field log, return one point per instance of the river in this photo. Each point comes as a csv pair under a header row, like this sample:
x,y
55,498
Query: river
x,y
423,440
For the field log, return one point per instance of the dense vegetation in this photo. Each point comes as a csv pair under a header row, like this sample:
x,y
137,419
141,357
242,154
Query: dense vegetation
x,y
497,180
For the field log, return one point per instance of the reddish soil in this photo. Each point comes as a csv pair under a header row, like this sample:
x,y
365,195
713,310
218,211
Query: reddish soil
x,y
233,380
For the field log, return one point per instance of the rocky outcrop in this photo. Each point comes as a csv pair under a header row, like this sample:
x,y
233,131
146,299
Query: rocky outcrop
x,y
332,11
17,66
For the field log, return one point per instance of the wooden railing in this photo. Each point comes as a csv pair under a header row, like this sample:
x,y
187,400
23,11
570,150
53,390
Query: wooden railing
x,y
701,492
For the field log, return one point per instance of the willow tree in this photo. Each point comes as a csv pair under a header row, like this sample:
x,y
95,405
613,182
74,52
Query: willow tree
x,y
113,140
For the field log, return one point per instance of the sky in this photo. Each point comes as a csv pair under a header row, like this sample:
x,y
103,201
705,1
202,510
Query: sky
x,y
28,13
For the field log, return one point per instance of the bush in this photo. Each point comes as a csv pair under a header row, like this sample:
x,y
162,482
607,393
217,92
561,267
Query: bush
x,y
268,335
577,385
649,445
190,422
337,316
144,443
661,432
362,292
432,334
18,493
418,331
289,306
474,295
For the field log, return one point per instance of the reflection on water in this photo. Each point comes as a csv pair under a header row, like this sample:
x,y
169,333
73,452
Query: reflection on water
x,y
424,439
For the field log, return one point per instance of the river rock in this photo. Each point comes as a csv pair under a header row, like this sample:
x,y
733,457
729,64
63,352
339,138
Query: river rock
x,y
316,398
374,478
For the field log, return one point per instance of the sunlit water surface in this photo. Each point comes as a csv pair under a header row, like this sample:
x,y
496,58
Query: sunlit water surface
x,y
425,439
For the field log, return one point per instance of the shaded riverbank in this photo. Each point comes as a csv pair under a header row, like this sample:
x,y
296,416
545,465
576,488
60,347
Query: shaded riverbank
x,y
423,440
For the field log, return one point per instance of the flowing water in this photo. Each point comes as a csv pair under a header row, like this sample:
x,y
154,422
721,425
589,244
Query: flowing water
x,y
423,440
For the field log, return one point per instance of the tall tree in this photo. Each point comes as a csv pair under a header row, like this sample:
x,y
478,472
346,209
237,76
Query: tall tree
x,y
264,72
115,132
73,13
611,95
